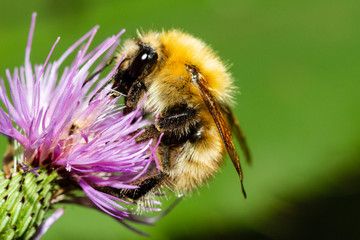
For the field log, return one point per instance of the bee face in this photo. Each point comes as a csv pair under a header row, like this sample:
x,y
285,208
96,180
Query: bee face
x,y
135,67
188,93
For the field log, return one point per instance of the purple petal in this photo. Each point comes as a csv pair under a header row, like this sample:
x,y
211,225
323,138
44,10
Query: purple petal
x,y
48,223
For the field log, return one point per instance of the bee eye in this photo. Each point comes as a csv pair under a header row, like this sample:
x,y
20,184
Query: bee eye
x,y
144,62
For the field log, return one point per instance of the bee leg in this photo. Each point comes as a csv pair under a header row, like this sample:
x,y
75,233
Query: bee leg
x,y
136,90
153,180
150,132
148,183
177,119
144,186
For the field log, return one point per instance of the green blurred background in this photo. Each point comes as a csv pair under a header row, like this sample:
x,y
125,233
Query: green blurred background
x,y
296,64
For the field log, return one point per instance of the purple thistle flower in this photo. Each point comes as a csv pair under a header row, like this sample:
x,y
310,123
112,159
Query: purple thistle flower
x,y
54,124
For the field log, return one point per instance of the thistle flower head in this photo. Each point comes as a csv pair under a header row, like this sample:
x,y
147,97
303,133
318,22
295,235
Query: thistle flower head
x,y
91,144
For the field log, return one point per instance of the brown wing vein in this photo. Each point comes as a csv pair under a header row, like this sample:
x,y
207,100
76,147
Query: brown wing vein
x,y
216,114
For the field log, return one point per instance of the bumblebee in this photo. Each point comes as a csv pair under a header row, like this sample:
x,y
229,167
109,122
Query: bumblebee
x,y
188,91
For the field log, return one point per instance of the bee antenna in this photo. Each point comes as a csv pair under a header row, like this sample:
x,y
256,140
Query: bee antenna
x,y
100,89
92,76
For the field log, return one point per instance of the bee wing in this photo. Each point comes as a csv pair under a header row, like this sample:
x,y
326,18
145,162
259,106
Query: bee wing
x,y
216,114
238,132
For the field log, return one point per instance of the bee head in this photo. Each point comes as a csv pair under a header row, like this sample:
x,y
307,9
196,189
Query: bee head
x,y
136,66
